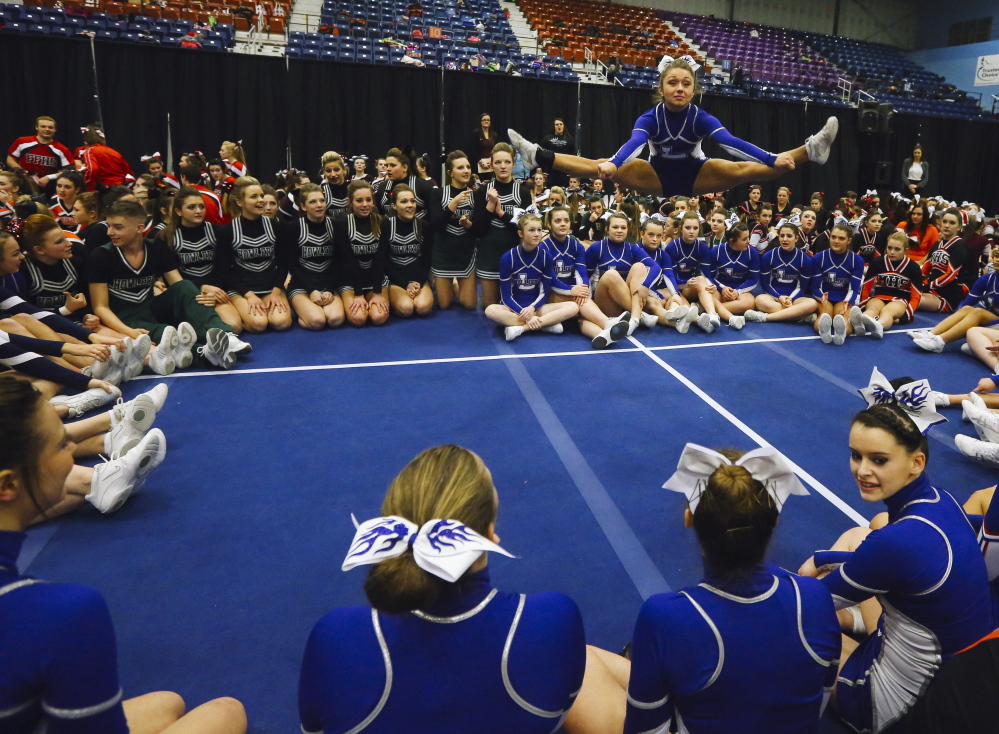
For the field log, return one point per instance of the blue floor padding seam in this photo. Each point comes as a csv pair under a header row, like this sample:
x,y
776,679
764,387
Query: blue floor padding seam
x,y
719,408
633,556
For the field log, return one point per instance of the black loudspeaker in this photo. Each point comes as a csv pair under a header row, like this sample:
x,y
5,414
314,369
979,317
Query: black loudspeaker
x,y
882,174
868,116
886,118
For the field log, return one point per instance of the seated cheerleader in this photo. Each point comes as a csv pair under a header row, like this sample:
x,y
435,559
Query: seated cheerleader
x,y
407,242
837,274
718,224
786,279
677,166
808,230
734,268
308,251
247,260
690,256
920,581
526,276
943,268
592,223
665,301
979,308
762,233
69,185
621,274
58,654
122,275
698,656
920,231
871,240
453,255
571,282
440,649
357,237
194,243
891,292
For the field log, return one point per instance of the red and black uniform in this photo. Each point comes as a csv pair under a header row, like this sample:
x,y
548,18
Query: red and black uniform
x,y
104,167
870,246
236,168
40,158
942,272
63,214
214,211
894,280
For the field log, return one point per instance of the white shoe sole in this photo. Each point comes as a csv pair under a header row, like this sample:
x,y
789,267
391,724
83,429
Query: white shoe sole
x,y
183,354
819,145
825,328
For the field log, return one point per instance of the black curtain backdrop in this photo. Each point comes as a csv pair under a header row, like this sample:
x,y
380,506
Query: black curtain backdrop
x,y
274,104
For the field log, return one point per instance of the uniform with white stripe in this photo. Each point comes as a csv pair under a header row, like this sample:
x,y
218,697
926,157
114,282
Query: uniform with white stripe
x,y
839,275
308,251
58,657
453,254
361,253
568,258
755,655
47,284
926,570
12,303
738,269
408,245
127,285
247,256
784,273
689,258
479,661
195,249
984,293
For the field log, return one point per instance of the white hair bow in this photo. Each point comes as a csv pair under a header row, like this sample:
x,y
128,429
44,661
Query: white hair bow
x,y
840,219
143,159
914,398
444,548
766,465
667,60
661,218
871,192
732,220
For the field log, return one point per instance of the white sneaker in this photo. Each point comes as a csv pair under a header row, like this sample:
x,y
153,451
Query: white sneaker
x,y
870,325
737,322
715,319
218,349
117,479
825,328
940,399
819,145
135,355
986,422
512,332
632,325
930,342
857,321
127,410
917,333
553,329
981,450
161,358
183,352
976,400
601,340
756,317
104,370
966,349
677,312
683,325
526,148
87,400
238,346
648,320
810,319
704,321
839,330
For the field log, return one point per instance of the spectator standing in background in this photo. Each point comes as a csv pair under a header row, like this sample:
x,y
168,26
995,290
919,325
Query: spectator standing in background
x,y
560,141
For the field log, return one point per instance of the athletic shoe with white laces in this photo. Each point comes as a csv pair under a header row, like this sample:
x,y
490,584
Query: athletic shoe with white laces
x,y
512,332
857,321
931,343
161,358
183,351
839,330
870,325
648,320
737,322
818,146
986,422
825,328
966,348
553,329
975,449
754,316
677,311
218,349
917,333
704,321
976,400
123,410
87,400
683,325
135,355
116,480
104,370
526,148
237,345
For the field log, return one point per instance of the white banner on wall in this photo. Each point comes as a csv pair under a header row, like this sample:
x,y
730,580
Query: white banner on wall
x,y
987,71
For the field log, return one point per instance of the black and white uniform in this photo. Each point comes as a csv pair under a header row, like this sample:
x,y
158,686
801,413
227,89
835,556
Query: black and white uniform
x,y
497,234
247,256
308,252
408,251
336,199
362,255
453,254
47,284
869,246
94,235
427,197
195,248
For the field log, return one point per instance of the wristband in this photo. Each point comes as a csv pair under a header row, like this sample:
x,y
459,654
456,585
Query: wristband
x,y
63,311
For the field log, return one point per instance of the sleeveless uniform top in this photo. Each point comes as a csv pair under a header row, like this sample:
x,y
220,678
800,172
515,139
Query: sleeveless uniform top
x,y
247,256
362,255
195,248
408,251
47,283
308,252
336,199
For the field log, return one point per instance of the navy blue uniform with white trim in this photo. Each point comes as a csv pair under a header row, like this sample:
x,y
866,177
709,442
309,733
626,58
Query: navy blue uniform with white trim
x,y
195,248
307,249
609,255
689,258
525,278
738,269
666,280
24,354
58,656
48,284
247,256
568,258
984,293
785,273
484,661
926,569
675,141
698,657
838,275
361,254
12,303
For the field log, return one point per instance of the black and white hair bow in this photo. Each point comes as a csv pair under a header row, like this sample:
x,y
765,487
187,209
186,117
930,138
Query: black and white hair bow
x,y
915,398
